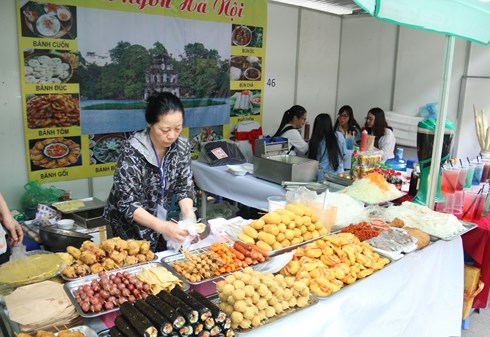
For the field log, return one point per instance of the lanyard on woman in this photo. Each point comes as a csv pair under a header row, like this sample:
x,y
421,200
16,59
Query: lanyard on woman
x,y
163,170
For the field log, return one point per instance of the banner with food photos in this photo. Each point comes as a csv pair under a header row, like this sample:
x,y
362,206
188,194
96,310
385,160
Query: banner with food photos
x,y
87,68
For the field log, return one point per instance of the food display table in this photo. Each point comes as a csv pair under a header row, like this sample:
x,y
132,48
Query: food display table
x,y
477,244
247,189
419,295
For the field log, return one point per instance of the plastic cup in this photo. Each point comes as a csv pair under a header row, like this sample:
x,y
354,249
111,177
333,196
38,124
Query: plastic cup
x,y
276,202
477,174
449,205
469,176
484,175
473,205
449,180
461,178
458,202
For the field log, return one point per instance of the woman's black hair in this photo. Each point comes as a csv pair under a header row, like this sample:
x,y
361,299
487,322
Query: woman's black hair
x,y
295,110
161,104
380,123
323,130
352,124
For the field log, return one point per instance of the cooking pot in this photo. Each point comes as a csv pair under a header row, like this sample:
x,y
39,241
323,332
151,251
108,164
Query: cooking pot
x,y
57,239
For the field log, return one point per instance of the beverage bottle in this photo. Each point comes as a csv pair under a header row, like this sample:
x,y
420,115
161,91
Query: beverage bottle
x,y
353,163
364,138
398,163
414,181
398,181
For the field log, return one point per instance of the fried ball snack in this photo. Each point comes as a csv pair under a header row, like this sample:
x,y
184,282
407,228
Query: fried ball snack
x,y
133,247
130,260
88,257
397,222
96,268
69,272
150,255
141,257
144,246
118,257
42,333
120,244
23,334
108,263
75,252
87,245
100,254
67,259
108,245
81,269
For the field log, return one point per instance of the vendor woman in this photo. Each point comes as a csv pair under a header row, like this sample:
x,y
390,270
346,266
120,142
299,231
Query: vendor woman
x,y
154,166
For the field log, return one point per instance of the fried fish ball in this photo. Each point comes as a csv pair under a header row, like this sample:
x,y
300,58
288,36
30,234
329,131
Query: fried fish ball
x,y
82,269
240,305
108,245
42,333
69,272
96,268
239,293
270,312
75,252
228,289
302,301
108,263
133,247
245,324
87,245
130,260
149,255
88,257
100,254
144,246
118,257
141,257
236,317
120,244
67,259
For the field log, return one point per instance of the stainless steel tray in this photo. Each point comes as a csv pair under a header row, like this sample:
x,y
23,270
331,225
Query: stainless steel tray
x,y
311,301
112,271
88,204
338,180
468,226
71,287
233,232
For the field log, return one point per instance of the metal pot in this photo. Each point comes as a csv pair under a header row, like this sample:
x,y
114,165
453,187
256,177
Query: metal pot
x,y
57,239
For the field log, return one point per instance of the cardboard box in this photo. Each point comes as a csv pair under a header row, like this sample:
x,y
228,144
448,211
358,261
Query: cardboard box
x,y
471,287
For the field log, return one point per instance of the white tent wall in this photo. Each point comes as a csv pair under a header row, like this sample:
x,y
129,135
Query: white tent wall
x,y
367,65
317,60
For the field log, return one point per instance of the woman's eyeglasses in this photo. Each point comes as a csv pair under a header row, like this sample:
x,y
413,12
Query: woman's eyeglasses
x,y
343,116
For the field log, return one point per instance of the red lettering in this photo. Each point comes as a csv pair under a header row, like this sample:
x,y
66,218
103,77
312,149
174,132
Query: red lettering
x,y
191,6
141,4
230,8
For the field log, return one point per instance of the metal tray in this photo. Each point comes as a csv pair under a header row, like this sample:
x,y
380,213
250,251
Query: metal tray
x,y
88,204
233,232
311,301
338,180
112,271
468,226
71,287
84,329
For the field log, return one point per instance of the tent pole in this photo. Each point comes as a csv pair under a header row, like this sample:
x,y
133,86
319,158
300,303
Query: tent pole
x,y
441,121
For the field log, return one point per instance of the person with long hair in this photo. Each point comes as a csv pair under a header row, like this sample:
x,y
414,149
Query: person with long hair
x,y
377,126
292,121
154,166
327,146
347,124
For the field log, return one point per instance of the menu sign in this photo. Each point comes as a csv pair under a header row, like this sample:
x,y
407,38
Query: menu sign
x,y
88,66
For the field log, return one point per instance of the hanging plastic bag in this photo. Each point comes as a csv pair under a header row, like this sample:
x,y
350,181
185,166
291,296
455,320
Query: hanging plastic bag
x,y
36,194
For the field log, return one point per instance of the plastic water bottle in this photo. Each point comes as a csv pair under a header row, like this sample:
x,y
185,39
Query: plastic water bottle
x,y
397,163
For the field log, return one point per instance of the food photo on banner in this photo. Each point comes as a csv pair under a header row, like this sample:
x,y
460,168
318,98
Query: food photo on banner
x,y
75,85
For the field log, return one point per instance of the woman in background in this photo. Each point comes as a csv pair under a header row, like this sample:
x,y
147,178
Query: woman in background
x,y
292,121
327,146
377,126
348,126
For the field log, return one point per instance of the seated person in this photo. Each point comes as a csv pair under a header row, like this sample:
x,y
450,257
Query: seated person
x,y
348,126
377,126
327,146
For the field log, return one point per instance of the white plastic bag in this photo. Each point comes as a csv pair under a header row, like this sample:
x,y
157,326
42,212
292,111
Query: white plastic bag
x,y
192,228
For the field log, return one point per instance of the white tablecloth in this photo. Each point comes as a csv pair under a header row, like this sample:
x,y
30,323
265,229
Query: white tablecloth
x,y
247,190
420,295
